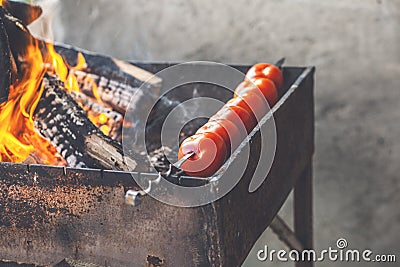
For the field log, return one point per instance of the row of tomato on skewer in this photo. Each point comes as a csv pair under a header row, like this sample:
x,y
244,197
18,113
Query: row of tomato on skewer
x,y
213,143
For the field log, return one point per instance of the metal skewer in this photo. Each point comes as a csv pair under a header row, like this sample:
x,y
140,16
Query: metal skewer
x,y
280,62
132,196
179,163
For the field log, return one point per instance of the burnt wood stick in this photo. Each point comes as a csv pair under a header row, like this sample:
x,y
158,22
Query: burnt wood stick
x,y
25,12
64,123
5,62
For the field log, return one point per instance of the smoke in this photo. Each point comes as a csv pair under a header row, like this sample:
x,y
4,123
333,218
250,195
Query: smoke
x,y
43,27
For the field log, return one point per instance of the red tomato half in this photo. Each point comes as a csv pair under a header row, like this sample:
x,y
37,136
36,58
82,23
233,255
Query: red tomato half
x,y
215,127
266,86
239,116
246,86
210,154
227,130
251,102
265,70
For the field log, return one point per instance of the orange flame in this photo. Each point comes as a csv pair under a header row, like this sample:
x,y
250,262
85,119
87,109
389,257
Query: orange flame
x,y
60,68
18,138
17,134
71,83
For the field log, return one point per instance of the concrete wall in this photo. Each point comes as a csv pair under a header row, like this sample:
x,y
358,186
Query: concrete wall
x,y
355,46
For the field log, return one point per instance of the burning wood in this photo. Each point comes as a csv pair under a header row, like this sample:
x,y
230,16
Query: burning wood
x,y
17,135
21,42
111,68
107,120
111,81
59,110
26,13
60,120
55,159
114,93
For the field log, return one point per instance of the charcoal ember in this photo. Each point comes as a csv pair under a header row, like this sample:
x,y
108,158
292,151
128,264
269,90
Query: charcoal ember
x,y
106,119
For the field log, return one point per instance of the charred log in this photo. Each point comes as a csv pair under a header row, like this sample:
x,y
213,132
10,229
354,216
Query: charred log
x,y
19,40
116,94
65,124
5,62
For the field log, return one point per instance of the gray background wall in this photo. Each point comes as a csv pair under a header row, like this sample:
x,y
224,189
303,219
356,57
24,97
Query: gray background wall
x,y
353,44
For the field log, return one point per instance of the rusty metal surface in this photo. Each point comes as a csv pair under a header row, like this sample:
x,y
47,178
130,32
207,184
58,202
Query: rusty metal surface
x,y
50,214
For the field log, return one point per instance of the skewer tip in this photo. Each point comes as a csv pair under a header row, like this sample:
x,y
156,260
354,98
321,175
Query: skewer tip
x,y
179,163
